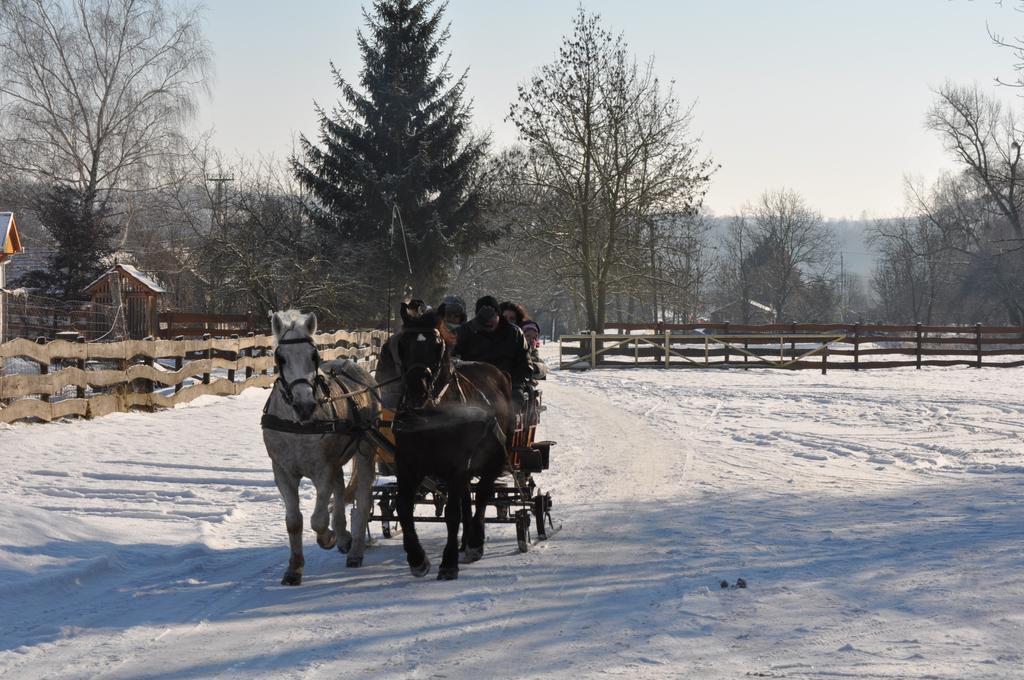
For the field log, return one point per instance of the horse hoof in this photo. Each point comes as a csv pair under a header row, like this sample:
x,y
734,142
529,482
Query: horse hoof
x,y
345,544
291,578
354,561
327,540
421,570
447,573
471,555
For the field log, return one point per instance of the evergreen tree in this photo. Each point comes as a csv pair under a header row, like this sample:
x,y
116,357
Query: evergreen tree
x,y
399,154
84,241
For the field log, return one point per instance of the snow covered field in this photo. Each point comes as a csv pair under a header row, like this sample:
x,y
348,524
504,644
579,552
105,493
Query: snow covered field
x,y
877,518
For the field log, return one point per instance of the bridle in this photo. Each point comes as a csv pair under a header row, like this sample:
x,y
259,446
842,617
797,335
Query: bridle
x,y
286,386
435,392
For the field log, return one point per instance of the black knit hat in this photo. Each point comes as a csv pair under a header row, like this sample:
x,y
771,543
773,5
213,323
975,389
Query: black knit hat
x,y
486,301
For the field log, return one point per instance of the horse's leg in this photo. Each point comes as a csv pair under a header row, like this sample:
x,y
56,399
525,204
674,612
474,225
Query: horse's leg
x,y
288,485
362,465
475,532
467,519
458,488
408,483
324,482
343,537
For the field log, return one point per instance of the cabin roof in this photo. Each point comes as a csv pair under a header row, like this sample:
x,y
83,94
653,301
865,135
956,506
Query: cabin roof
x,y
10,241
146,281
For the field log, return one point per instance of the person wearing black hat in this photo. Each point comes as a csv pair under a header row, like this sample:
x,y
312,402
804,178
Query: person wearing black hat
x,y
490,338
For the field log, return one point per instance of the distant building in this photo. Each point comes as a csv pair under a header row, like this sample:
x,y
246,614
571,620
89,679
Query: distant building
x,y
10,244
757,312
123,287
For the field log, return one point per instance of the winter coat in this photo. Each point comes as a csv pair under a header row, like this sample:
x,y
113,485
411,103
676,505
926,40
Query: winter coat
x,y
540,369
504,347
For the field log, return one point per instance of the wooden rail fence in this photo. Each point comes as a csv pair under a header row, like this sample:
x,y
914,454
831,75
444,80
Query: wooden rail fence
x,y
189,324
795,346
63,378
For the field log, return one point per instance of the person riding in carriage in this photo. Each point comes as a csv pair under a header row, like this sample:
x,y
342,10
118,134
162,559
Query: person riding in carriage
x,y
531,329
491,338
453,310
514,313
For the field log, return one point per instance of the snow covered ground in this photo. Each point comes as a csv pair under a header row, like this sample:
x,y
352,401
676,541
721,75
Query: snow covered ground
x,y
877,518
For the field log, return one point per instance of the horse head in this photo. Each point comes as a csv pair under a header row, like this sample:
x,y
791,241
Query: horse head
x,y
297,360
423,353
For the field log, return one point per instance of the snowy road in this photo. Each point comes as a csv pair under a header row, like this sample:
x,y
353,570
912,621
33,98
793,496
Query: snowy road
x,y
876,517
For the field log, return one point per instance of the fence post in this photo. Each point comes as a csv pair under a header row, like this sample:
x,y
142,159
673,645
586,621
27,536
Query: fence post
x,y
746,346
80,363
919,345
593,349
668,343
856,346
726,329
209,357
44,368
179,361
150,384
231,371
977,339
824,360
792,340
252,354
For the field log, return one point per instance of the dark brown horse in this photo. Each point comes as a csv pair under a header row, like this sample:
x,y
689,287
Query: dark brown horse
x,y
452,425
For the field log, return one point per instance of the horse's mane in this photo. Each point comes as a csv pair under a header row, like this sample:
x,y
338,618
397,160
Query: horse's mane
x,y
289,319
429,320
424,322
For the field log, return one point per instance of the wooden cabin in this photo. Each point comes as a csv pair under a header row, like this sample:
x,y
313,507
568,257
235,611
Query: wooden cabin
x,y
123,286
10,244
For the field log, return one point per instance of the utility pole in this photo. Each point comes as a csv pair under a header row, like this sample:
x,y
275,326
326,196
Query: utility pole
x,y
218,199
842,287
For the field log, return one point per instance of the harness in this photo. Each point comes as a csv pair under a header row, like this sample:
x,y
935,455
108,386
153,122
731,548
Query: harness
x,y
419,417
355,425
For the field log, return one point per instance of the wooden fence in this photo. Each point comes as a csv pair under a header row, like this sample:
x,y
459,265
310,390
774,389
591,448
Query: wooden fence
x,y
795,346
62,378
189,324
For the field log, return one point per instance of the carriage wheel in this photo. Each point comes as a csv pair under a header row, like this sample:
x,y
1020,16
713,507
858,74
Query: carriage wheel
x,y
523,530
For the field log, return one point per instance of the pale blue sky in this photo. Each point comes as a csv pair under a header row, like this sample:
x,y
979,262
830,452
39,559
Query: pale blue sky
x,y
826,97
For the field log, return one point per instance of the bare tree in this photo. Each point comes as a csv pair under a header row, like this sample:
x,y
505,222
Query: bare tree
x,y
607,149
908,274
980,212
734,278
986,141
790,243
93,92
261,252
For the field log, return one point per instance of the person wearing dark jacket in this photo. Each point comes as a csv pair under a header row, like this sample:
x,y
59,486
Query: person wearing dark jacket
x,y
490,338
531,330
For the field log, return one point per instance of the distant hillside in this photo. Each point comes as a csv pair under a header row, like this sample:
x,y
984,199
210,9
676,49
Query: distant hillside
x,y
850,241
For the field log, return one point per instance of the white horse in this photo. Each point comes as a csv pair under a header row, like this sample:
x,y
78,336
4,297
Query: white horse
x,y
313,423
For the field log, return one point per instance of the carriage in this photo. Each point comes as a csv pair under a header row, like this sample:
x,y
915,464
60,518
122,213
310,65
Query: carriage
x,y
455,423
518,498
